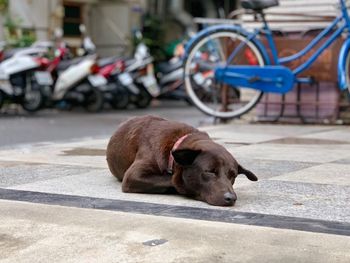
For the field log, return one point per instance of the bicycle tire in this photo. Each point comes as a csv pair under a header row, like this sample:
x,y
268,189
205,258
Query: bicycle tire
x,y
188,63
347,71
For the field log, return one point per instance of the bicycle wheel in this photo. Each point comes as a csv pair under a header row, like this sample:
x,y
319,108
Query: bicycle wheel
x,y
213,98
347,70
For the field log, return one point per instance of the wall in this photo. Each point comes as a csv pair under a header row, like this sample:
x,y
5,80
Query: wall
x,y
108,22
40,15
111,25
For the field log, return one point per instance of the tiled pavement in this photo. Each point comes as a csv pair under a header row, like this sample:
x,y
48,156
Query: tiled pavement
x,y
304,171
304,178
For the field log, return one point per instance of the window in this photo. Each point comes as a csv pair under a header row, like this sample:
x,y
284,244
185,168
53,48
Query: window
x,y
72,19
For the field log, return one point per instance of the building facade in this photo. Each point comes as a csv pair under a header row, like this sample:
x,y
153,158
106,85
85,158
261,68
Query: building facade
x,y
108,22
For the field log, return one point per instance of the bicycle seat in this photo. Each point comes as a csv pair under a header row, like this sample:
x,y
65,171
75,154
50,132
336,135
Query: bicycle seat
x,y
258,5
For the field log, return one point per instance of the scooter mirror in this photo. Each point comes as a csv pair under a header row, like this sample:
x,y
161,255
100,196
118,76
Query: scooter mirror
x,y
141,51
58,33
88,45
80,52
82,29
138,34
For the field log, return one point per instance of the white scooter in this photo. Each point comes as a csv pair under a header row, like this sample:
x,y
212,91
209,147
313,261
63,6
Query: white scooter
x,y
76,81
19,82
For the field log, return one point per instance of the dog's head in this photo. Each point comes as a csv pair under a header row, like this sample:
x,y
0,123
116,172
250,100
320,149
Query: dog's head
x,y
208,172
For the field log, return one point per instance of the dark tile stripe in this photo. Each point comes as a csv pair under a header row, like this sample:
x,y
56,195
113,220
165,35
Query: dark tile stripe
x,y
283,222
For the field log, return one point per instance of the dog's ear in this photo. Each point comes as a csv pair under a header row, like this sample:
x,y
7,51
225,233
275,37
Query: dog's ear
x,y
249,174
185,156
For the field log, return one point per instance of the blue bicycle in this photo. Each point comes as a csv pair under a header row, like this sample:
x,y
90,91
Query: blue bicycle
x,y
227,69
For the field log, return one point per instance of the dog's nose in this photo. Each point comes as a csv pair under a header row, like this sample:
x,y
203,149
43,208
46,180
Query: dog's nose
x,y
230,198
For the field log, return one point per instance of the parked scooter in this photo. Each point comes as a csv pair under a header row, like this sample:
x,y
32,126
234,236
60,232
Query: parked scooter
x,y
76,82
80,85
20,83
107,68
166,83
115,93
138,77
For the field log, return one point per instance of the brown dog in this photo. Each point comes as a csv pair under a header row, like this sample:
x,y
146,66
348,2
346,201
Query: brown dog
x,y
153,155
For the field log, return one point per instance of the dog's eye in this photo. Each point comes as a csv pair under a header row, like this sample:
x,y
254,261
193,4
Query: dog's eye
x,y
213,172
208,175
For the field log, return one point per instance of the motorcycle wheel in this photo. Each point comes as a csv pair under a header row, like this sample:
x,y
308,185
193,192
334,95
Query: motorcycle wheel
x,y
120,99
143,99
94,100
32,100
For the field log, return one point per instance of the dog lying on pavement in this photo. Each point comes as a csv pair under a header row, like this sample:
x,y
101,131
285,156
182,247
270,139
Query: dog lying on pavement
x,y
153,155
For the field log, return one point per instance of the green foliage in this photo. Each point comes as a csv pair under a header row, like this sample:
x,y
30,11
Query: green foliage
x,y
4,5
15,35
25,40
10,23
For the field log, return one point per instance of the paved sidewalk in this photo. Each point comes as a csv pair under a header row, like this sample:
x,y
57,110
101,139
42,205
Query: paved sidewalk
x,y
298,211
42,233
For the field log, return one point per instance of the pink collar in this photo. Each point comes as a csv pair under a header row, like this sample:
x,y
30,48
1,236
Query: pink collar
x,y
171,158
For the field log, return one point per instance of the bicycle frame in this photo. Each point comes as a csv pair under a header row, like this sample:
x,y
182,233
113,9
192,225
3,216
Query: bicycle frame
x,y
344,17
262,78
